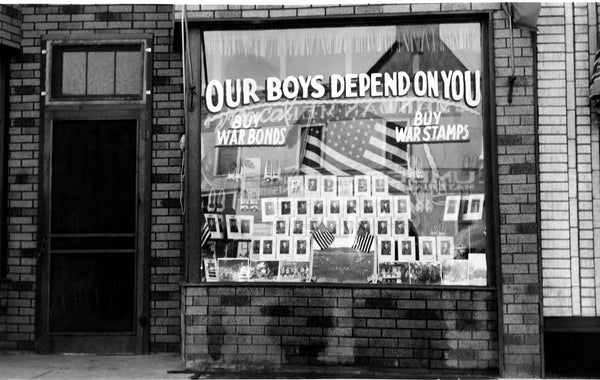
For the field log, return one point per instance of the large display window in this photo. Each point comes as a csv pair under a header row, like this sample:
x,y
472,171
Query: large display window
x,y
345,155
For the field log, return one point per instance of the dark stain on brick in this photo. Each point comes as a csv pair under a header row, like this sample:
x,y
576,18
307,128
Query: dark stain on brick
x,y
461,354
159,296
159,262
426,314
527,228
276,311
28,253
320,322
26,346
170,203
465,324
24,178
23,122
380,303
522,169
107,16
24,90
71,9
160,178
509,140
235,300
532,289
15,211
159,81
3,310
21,285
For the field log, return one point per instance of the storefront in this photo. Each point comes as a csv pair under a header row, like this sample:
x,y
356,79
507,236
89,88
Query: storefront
x,y
346,189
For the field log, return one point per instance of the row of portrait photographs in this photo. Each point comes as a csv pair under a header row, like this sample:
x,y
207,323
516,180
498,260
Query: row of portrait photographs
x,y
397,206
450,272
341,226
296,248
431,248
331,185
240,269
469,206
237,227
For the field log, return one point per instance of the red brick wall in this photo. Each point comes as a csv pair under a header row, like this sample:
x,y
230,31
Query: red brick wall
x,y
24,170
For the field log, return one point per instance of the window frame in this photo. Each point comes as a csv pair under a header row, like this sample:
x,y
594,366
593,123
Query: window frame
x,y
485,20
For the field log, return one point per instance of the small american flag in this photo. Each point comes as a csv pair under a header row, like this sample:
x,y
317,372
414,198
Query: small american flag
x,y
363,241
204,234
322,236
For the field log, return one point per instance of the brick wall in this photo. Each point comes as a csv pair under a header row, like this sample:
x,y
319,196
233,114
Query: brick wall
x,y
265,326
10,26
23,172
568,161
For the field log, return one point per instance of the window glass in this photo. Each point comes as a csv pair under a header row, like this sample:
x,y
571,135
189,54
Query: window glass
x,y
73,73
129,75
100,74
355,155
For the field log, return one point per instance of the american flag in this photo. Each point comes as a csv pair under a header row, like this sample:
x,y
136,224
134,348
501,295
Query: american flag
x,y
363,241
355,147
322,236
204,233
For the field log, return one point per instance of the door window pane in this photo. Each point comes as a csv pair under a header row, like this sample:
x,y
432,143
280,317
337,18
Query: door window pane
x,y
100,74
73,73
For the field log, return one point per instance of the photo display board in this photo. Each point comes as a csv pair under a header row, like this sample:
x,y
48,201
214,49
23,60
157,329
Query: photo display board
x,y
345,155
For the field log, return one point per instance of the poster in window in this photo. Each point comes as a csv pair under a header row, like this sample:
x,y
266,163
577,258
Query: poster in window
x,y
210,270
234,270
328,186
341,264
477,269
294,271
426,273
455,272
427,248
395,272
264,270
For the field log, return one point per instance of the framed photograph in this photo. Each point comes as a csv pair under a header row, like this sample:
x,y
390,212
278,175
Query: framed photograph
x,y
406,249
332,224
244,248
294,271
402,206
367,207
383,226
299,227
313,224
348,227
234,270
384,206
350,207
426,273
366,225
400,226
455,272
233,227
300,207
267,249
328,186
427,248
255,252
452,207
269,209
475,207
345,186
300,248
284,248
214,225
379,185
296,186
385,249
362,185
477,269
246,223
281,227
312,186
210,270
284,207
334,207
317,207
445,248
264,270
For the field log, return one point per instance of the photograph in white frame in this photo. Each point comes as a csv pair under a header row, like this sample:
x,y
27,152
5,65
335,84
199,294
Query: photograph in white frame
x,y
267,249
243,249
300,248
300,207
233,227
367,207
317,208
299,226
384,206
427,248
445,248
365,225
312,186
362,185
383,226
246,224
328,186
402,206
255,251
452,208
345,186
475,207
284,248
406,249
400,226
350,207
284,207
281,227
268,209
334,207
210,270
214,225
313,223
296,186
379,185
348,227
385,249
332,224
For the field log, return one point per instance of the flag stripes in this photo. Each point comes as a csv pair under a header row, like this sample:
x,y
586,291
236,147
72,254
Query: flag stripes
x,y
363,242
204,234
323,236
